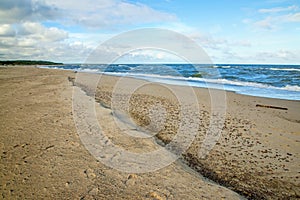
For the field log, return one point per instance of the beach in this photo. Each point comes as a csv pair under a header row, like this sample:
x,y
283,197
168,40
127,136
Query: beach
x,y
42,155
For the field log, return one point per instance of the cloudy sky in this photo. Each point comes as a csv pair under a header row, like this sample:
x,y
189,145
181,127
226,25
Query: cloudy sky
x,y
230,31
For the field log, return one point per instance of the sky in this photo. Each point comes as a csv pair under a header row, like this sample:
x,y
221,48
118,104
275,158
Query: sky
x,y
229,31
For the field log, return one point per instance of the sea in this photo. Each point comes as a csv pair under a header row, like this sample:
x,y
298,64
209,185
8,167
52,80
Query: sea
x,y
270,81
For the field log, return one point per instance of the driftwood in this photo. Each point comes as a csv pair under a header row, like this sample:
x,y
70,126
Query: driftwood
x,y
268,106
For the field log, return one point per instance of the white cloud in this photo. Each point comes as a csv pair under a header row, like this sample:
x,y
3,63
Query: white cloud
x,y
32,50
89,13
278,9
111,13
293,17
80,6
285,56
275,18
28,28
150,56
16,11
260,57
23,34
266,23
242,43
273,22
33,30
7,30
31,40
207,41
7,42
30,33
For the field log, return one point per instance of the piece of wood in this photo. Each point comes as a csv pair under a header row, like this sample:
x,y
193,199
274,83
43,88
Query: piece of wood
x,y
268,106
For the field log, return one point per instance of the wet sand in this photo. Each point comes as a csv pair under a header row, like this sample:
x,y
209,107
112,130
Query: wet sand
x,y
42,155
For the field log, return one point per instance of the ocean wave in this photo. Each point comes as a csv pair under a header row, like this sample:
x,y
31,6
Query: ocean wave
x,y
208,81
217,83
53,67
292,88
253,84
224,67
285,69
88,70
247,84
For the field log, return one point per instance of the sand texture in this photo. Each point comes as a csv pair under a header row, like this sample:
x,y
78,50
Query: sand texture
x,y
258,151
43,156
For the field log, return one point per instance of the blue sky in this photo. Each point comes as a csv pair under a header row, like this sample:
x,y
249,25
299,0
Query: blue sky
x,y
229,31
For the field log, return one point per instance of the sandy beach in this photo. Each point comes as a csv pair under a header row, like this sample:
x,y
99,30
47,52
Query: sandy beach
x,y
42,155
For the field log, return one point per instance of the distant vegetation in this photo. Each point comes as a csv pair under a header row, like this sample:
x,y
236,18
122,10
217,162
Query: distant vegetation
x,y
27,62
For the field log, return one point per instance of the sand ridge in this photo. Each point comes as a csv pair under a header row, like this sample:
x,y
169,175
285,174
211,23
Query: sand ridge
x,y
258,151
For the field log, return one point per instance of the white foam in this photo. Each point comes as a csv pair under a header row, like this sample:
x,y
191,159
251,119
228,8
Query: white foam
x,y
212,81
285,69
292,88
222,66
51,67
237,86
89,70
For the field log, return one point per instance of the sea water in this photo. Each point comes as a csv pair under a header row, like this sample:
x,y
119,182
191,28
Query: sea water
x,y
271,81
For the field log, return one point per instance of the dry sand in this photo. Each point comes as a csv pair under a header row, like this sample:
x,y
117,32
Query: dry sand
x,y
42,155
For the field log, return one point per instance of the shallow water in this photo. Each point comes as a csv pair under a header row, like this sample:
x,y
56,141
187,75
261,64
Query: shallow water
x,y
272,81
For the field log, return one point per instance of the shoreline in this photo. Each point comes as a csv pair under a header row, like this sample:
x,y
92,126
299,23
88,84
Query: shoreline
x,y
109,75
204,88
248,157
257,89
